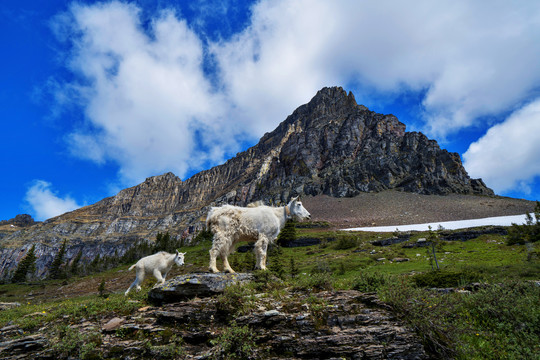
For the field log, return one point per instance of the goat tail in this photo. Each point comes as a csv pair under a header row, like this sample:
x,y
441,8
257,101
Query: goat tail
x,y
131,267
210,218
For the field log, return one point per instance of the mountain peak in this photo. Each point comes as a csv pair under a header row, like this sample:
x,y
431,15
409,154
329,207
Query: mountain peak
x,y
330,146
333,92
168,177
334,99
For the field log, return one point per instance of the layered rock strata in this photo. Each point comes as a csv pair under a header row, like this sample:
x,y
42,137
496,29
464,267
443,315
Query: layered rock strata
x,y
330,146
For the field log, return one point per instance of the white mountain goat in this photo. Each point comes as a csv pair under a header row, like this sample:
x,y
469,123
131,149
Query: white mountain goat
x,y
158,265
262,224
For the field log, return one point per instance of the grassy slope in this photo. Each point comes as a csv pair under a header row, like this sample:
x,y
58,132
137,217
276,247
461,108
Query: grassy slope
x,y
449,324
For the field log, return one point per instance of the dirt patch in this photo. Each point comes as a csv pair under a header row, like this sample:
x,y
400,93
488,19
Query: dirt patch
x,y
402,208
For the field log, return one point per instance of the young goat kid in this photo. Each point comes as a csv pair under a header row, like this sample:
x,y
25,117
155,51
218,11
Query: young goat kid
x,y
158,265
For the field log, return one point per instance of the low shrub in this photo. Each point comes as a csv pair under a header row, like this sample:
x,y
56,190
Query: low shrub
x,y
496,322
321,267
236,342
503,322
527,233
346,242
267,280
69,342
369,282
293,268
235,300
314,282
318,308
243,261
170,347
445,278
365,262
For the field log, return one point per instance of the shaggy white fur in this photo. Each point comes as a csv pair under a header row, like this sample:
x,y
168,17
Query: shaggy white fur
x,y
158,265
261,224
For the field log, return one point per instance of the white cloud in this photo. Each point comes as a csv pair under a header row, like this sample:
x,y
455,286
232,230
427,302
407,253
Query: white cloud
x,y
145,94
507,156
473,58
148,95
46,203
277,63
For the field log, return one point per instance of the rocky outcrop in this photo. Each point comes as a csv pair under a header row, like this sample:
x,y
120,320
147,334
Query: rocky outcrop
x,y
472,234
21,220
46,251
302,325
10,305
329,146
195,285
339,148
19,347
391,241
326,325
341,324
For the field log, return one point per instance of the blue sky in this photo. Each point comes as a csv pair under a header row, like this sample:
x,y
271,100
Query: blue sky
x,y
97,96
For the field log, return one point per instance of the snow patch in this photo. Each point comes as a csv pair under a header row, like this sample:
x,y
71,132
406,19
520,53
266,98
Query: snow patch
x,y
450,225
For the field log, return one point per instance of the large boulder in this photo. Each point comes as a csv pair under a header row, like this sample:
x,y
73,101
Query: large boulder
x,y
349,325
188,286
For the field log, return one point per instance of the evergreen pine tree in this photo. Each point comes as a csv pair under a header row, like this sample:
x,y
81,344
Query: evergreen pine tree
x,y
131,254
435,243
20,273
95,265
159,242
26,265
203,235
528,232
287,234
75,269
167,243
31,261
105,263
164,243
276,266
55,271
101,289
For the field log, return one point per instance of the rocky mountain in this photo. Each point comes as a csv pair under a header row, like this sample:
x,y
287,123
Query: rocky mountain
x,y
21,220
330,146
17,223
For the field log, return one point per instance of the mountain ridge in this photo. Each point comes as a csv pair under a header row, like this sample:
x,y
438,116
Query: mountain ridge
x,y
328,146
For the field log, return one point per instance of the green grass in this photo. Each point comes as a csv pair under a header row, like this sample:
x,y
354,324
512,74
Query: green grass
x,y
31,316
501,320
488,253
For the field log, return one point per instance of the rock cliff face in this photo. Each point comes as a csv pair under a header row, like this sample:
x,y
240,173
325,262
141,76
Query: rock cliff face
x,y
21,220
17,223
335,147
329,146
299,325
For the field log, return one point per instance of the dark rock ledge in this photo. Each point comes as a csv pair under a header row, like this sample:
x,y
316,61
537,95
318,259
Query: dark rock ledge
x,y
339,324
348,325
296,325
188,286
